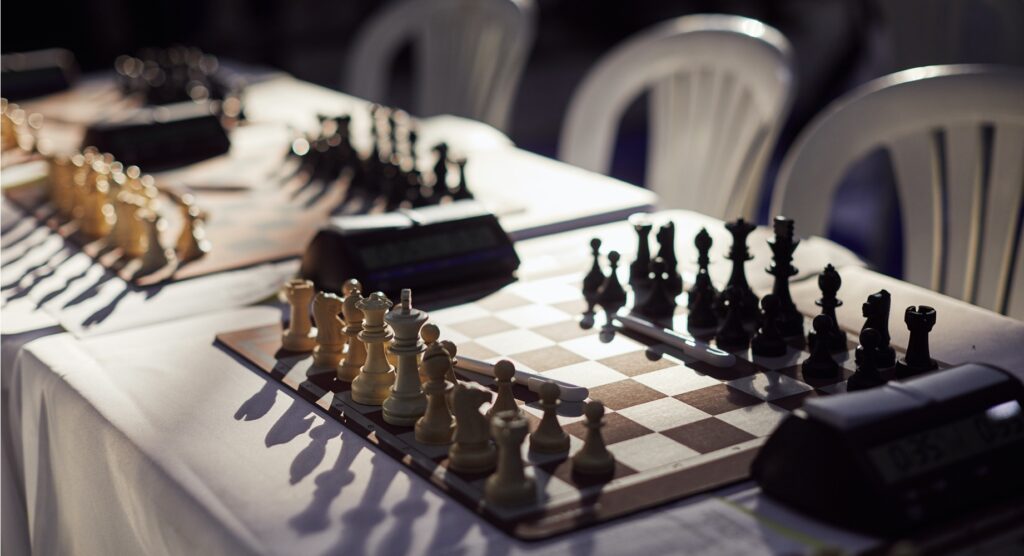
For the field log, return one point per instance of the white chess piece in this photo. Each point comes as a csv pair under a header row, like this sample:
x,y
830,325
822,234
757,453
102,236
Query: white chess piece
x,y
355,352
472,451
436,426
509,486
330,342
300,335
406,403
504,371
373,384
594,458
549,438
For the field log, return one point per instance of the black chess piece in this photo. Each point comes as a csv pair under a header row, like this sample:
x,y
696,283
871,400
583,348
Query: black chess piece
x,y
829,282
593,280
702,285
745,299
702,317
790,321
768,342
732,335
867,375
611,296
918,359
819,364
658,302
640,268
666,237
876,314
441,167
461,191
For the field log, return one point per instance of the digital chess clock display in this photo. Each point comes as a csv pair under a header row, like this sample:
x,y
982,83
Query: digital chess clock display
x,y
420,249
916,454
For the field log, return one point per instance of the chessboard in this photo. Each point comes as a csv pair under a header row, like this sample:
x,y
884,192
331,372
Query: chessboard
x,y
676,426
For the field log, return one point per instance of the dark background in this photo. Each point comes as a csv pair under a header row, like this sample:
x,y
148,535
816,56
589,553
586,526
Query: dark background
x,y
838,44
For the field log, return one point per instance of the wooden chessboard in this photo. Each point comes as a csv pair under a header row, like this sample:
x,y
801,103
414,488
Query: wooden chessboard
x,y
676,426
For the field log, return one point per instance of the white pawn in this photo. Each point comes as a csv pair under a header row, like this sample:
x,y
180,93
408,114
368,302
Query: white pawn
x,y
504,371
407,403
373,384
472,451
594,459
330,342
355,356
300,335
436,426
430,333
549,438
509,486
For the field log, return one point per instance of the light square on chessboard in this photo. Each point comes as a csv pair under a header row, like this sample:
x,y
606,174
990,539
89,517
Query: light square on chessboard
x,y
501,300
514,341
758,420
530,316
675,380
769,385
548,358
595,347
708,435
636,363
474,350
564,330
588,374
663,413
475,328
650,451
548,291
624,393
458,313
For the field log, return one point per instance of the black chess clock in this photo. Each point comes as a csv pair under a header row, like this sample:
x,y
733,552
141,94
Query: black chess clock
x,y
904,455
438,248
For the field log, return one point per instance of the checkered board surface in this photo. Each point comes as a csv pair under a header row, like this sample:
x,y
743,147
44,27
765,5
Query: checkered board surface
x,y
675,425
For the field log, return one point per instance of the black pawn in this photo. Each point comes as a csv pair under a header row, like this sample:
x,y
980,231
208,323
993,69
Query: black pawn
x,y
667,251
702,285
790,322
639,269
819,364
829,282
441,168
768,342
876,315
611,296
462,190
732,336
739,255
867,375
593,280
920,321
659,302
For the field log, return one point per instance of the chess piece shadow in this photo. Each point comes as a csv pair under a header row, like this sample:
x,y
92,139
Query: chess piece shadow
x,y
587,320
312,455
405,514
295,420
259,404
329,485
103,313
367,510
63,288
30,249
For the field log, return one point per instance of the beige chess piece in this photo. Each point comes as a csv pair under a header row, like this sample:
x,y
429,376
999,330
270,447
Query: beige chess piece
x,y
134,234
355,352
61,183
192,243
436,426
549,438
375,379
330,342
472,451
509,486
430,334
156,256
406,403
504,371
300,335
594,459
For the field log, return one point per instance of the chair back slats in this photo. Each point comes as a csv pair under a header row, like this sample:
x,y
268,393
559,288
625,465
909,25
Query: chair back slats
x,y
955,135
468,54
715,84
1001,223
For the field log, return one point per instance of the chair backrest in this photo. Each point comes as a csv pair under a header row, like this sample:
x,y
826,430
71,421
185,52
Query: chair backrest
x,y
468,55
955,135
720,87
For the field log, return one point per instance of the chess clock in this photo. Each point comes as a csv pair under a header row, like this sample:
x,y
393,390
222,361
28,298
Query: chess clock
x,y
903,455
431,249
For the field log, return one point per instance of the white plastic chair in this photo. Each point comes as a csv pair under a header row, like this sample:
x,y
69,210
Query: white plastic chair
x,y
468,55
720,87
961,196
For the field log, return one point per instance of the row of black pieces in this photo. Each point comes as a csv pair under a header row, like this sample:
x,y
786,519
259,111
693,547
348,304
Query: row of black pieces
x,y
169,75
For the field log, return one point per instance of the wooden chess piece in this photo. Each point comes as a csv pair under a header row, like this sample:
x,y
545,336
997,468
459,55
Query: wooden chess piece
x,y
351,285
406,403
639,269
917,360
135,245
732,336
743,297
829,282
192,243
300,336
436,426
355,352
867,375
594,459
593,280
509,486
504,371
156,256
611,296
789,322
376,377
768,342
472,451
330,342
549,438
876,314
430,333
819,364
